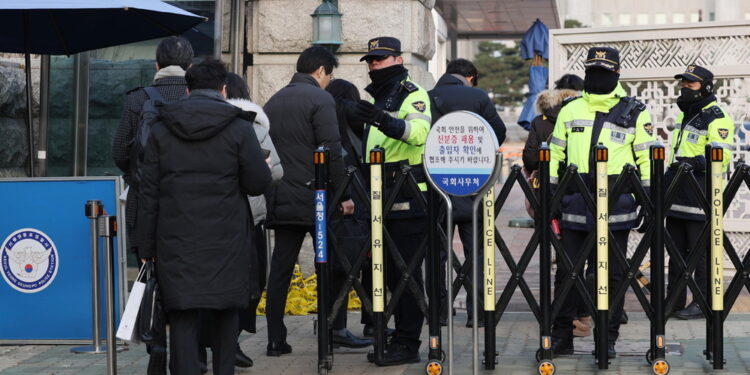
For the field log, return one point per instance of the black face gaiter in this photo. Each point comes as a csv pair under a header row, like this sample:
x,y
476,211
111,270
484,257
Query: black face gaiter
x,y
600,81
384,75
691,101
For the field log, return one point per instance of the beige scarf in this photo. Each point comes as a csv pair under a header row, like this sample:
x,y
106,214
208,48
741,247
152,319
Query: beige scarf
x,y
169,71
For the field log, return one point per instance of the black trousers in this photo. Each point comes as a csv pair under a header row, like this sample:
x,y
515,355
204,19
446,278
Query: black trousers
x,y
247,315
286,250
185,327
562,327
685,235
407,235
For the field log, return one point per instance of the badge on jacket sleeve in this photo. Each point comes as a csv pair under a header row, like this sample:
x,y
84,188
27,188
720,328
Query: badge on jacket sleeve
x,y
419,106
649,129
723,133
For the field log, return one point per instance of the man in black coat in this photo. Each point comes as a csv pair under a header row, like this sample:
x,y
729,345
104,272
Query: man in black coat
x,y
303,115
456,91
201,161
173,56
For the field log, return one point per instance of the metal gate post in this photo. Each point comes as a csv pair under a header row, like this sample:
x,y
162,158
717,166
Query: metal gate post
x,y
377,157
488,213
715,287
543,220
602,256
659,365
434,281
325,354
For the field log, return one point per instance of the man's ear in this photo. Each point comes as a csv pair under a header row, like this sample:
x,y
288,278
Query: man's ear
x,y
223,91
157,66
400,60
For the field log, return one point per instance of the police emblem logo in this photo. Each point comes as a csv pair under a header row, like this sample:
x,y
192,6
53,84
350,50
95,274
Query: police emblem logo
x,y
29,260
649,128
723,133
601,54
690,68
419,106
374,44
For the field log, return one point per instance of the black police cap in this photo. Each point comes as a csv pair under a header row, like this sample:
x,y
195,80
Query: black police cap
x,y
695,73
604,57
383,46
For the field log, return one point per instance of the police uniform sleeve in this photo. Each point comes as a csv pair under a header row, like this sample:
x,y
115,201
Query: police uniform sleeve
x,y
558,144
416,116
645,137
721,131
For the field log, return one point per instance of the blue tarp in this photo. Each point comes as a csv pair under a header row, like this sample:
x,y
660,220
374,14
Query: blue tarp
x,y
537,82
66,27
535,41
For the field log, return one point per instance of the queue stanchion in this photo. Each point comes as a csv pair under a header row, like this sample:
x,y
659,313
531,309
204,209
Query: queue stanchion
x,y
488,241
325,354
657,353
94,209
108,230
715,263
377,158
543,220
602,257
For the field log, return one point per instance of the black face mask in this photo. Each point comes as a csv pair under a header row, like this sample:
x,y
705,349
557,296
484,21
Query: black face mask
x,y
689,96
384,75
600,81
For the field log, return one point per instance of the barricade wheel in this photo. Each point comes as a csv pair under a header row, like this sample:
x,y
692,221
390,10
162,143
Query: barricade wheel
x,y
547,368
649,357
434,368
539,355
660,367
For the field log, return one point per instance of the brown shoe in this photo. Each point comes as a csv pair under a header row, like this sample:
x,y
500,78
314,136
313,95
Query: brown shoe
x,y
581,329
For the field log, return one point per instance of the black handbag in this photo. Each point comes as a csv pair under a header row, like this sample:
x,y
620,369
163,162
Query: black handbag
x,y
151,318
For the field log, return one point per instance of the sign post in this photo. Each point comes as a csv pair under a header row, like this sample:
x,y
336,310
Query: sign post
x,y
461,160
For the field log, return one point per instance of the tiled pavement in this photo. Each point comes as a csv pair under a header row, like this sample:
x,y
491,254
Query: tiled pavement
x,y
517,338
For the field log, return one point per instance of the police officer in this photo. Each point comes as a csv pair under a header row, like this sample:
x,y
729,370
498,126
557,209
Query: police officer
x,y
701,122
398,120
604,114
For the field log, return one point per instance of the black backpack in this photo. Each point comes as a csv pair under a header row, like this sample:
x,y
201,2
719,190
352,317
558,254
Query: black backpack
x,y
149,116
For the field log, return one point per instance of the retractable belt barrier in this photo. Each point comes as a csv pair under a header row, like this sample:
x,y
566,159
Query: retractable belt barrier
x,y
599,197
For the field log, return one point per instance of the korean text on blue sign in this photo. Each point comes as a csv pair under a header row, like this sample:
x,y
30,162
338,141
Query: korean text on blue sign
x,y
321,243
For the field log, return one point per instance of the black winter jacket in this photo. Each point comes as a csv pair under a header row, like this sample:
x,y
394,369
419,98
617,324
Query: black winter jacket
x,y
171,89
451,94
201,161
303,117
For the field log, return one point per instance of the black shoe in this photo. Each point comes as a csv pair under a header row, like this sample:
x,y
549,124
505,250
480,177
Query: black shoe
x,y
399,354
369,331
276,349
470,322
241,359
624,318
562,347
611,352
157,362
348,340
693,311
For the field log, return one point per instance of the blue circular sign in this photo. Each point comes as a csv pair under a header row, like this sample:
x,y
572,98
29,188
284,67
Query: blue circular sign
x,y
460,153
29,260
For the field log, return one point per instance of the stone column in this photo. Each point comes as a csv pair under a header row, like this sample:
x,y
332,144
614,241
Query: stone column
x,y
279,30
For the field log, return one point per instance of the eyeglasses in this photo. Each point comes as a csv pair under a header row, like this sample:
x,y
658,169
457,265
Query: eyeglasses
x,y
370,59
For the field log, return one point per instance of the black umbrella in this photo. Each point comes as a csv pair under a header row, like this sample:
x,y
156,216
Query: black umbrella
x,y
66,27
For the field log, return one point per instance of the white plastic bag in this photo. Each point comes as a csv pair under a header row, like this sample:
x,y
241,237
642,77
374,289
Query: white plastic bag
x,y
127,330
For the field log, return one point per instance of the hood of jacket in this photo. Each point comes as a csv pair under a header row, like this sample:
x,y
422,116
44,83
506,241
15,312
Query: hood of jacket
x,y
452,80
549,102
260,116
604,102
199,116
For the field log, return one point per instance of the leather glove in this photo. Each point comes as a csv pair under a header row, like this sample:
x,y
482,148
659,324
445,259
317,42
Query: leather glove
x,y
643,221
370,114
697,162
350,109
